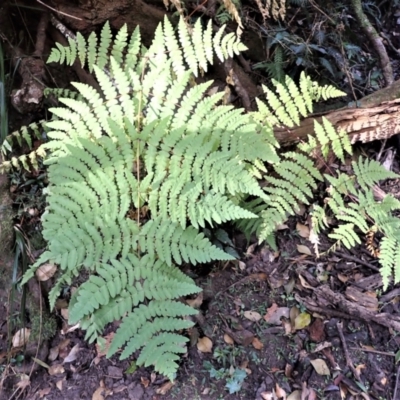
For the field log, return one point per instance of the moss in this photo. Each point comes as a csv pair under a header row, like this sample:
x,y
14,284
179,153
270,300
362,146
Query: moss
x,y
6,224
43,324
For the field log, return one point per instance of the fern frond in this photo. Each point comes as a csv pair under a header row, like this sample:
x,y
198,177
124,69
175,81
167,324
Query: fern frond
x,y
369,172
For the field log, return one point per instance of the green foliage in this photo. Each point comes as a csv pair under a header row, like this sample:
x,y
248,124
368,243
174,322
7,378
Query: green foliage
x,y
363,213
139,168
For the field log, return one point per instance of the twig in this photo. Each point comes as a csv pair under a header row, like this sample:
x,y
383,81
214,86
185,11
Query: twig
x,y
357,260
58,12
383,353
349,361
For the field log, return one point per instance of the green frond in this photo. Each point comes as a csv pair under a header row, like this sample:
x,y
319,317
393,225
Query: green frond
x,y
345,234
369,172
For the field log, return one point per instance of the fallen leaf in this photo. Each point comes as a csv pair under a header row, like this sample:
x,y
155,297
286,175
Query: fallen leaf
x,y
257,344
153,377
304,249
268,396
98,394
24,382
302,320
243,337
304,283
296,395
73,354
56,369
280,392
316,329
304,231
40,362
65,313
228,339
45,272
270,311
320,367
242,265
274,316
293,314
197,302
53,353
21,337
44,392
252,315
145,381
60,383
103,344
165,388
343,278
204,345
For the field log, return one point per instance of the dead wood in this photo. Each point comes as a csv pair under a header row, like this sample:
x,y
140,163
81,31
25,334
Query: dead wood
x,y
376,117
324,297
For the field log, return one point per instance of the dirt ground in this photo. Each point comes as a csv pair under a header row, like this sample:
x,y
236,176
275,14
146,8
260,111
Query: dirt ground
x,y
255,355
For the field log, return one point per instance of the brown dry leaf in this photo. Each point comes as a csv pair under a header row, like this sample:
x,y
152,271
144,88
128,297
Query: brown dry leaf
x,y
274,314
252,315
342,278
60,384
73,354
44,392
101,392
153,377
56,369
293,314
45,272
53,353
304,283
145,381
321,346
280,392
242,265
288,370
304,249
270,311
268,396
205,345
63,348
228,339
288,327
302,320
257,344
304,231
320,367
296,395
197,302
103,347
65,313
21,337
316,329
24,382
165,388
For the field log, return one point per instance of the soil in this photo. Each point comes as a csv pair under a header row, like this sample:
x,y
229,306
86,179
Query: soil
x,y
278,362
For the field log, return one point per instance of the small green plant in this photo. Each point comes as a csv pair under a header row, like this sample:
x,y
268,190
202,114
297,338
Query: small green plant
x,y
234,377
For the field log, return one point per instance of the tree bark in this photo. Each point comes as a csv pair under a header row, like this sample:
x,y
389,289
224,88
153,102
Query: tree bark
x,y
376,116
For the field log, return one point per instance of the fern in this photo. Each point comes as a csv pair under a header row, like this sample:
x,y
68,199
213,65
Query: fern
x,y
151,146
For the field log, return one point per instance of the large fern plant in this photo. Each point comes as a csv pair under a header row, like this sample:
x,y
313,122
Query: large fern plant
x,y
139,168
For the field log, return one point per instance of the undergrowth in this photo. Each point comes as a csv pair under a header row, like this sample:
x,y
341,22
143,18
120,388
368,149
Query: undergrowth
x,y
137,171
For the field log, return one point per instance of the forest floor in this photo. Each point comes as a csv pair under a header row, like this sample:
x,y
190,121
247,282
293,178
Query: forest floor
x,y
254,337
